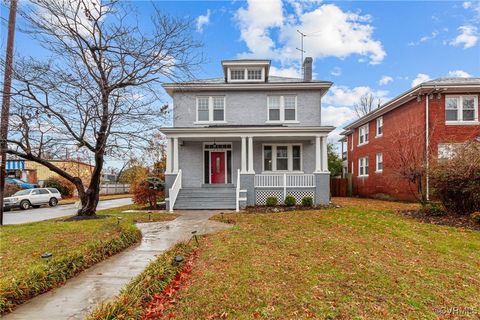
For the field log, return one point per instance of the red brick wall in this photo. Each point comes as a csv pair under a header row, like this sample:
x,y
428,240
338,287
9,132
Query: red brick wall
x,y
404,127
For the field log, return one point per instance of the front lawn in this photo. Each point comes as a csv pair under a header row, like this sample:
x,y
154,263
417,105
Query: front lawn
x,y
362,261
75,246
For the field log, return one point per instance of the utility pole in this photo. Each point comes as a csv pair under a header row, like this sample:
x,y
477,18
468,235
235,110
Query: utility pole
x,y
7,83
302,35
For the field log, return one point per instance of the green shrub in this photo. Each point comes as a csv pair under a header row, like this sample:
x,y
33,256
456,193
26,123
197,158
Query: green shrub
x,y
476,216
307,201
432,209
290,201
456,181
271,201
65,187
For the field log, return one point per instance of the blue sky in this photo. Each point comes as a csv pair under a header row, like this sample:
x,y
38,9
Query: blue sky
x,y
382,47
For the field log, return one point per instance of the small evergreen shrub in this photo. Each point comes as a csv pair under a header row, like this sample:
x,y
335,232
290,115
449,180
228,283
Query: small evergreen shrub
x,y
290,201
476,216
65,187
271,201
307,201
432,209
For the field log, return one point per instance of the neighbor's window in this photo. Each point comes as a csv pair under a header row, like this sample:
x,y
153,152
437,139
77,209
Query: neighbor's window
x,y
379,162
254,74
363,134
379,126
363,167
282,108
282,157
461,109
211,109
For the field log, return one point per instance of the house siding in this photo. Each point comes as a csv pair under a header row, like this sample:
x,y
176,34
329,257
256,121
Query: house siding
x,y
406,119
247,108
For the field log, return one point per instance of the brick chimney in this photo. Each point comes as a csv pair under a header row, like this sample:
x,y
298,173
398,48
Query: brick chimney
x,y
307,69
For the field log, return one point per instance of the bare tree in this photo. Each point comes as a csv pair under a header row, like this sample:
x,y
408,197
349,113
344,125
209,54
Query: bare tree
x,y
366,104
99,89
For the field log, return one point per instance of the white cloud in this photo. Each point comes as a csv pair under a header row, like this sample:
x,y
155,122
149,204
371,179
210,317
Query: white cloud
x,y
337,71
290,72
342,96
459,74
468,37
421,77
425,38
203,20
330,31
337,116
385,80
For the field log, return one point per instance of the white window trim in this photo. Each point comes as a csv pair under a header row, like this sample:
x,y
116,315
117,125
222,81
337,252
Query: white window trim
x,y
360,165
245,74
289,155
282,109
377,135
210,110
359,134
460,110
376,163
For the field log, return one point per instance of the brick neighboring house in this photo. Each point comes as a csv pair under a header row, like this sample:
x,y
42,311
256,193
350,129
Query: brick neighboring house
x,y
377,143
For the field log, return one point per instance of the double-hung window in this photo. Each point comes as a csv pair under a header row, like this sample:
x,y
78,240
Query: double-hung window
x,y
282,157
363,134
282,108
363,167
379,131
211,109
461,109
379,162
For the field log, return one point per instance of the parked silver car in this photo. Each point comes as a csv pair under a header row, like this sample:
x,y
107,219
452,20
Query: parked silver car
x,y
27,198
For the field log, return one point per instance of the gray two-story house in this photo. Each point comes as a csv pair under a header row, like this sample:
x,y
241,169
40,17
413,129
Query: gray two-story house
x,y
246,136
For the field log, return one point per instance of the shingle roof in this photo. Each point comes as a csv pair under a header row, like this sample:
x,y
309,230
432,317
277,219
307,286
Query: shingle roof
x,y
452,81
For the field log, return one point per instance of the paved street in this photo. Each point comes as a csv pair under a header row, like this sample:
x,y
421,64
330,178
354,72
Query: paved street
x,y
45,213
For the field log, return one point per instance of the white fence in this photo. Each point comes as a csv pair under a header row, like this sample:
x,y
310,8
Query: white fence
x,y
114,188
286,180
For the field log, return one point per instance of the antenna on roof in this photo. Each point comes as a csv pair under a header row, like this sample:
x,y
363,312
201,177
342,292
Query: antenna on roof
x,y
302,35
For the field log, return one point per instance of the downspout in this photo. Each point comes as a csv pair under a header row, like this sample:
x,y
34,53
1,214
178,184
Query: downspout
x,y
427,147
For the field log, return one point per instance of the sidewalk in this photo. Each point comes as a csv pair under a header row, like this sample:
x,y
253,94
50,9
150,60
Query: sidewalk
x,y
80,295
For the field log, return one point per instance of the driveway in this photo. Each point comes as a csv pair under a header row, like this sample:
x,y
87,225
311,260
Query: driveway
x,y
45,213
79,296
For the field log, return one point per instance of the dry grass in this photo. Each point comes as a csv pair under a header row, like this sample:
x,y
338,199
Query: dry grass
x,y
362,261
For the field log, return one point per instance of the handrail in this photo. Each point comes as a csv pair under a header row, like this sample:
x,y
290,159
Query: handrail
x,y
237,205
174,190
290,180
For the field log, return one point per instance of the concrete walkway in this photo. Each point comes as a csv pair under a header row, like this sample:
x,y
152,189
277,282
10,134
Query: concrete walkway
x,y
104,280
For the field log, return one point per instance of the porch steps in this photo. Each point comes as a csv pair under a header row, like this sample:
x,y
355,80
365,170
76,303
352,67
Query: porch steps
x,y
206,198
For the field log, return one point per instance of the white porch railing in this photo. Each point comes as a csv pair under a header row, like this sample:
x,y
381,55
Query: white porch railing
x,y
285,180
174,190
237,194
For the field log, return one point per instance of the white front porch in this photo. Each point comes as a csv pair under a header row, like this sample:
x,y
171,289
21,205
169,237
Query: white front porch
x,y
252,163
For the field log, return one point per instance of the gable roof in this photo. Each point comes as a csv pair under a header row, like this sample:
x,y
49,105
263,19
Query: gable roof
x,y
444,85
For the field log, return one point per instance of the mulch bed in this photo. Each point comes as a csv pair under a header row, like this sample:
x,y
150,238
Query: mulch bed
x,y
277,209
450,219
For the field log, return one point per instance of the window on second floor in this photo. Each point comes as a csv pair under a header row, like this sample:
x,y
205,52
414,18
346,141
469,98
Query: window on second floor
x,y
463,109
211,109
282,108
363,167
363,134
379,131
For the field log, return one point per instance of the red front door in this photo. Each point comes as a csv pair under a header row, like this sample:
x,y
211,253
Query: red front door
x,y
217,161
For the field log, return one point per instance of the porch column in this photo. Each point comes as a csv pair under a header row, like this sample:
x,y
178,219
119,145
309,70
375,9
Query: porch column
x,y
175,155
244,155
324,155
318,166
169,155
250,155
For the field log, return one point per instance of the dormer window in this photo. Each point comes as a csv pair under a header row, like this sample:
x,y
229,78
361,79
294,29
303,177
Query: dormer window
x,y
246,70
